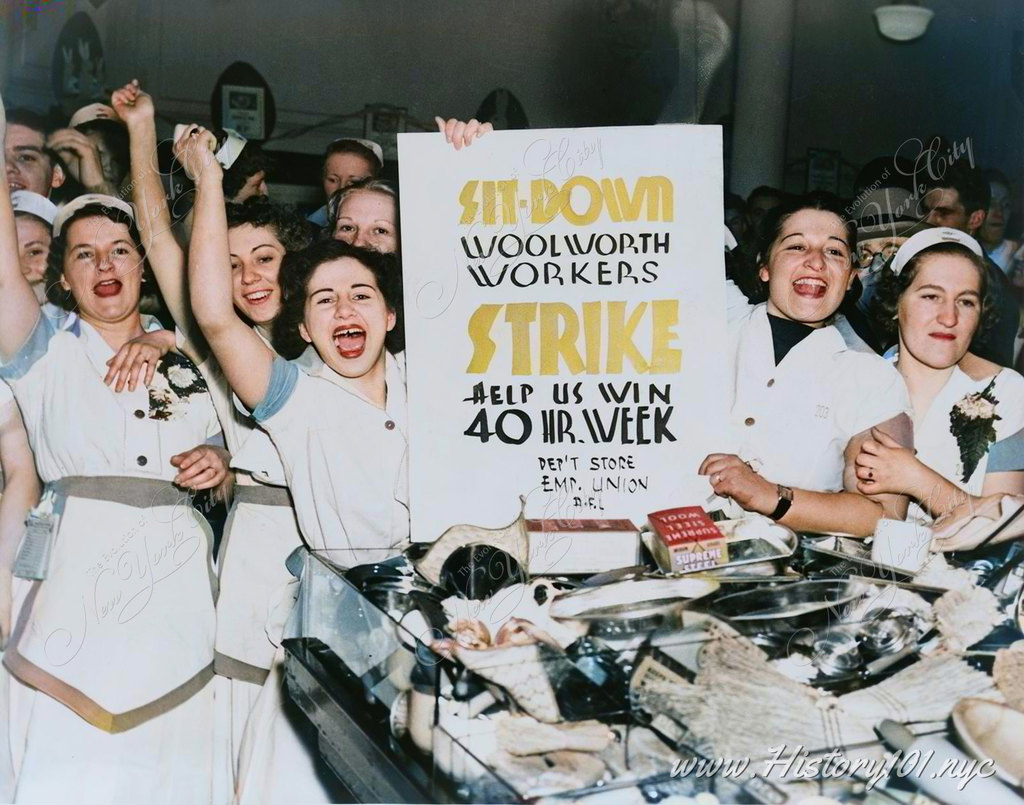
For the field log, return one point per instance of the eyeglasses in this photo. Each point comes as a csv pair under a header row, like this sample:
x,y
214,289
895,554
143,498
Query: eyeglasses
x,y
868,258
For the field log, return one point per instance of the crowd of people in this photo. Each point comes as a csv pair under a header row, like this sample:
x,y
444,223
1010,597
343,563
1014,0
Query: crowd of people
x,y
243,350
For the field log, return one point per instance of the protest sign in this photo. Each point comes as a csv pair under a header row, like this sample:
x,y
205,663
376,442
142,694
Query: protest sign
x,y
565,320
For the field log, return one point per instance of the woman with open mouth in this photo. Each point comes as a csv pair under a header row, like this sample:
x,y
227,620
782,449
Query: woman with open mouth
x,y
339,424
111,659
933,297
261,530
806,392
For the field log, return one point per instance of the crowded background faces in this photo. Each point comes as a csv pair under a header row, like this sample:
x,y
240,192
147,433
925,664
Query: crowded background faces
x,y
201,295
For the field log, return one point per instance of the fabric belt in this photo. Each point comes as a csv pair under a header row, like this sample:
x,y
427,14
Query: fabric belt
x,y
263,495
127,490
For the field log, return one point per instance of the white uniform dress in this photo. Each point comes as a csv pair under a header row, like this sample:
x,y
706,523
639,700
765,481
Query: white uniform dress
x,y
937,446
255,590
117,641
346,464
793,421
346,460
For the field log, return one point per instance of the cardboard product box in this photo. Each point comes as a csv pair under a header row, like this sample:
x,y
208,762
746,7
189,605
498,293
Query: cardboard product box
x,y
581,546
686,539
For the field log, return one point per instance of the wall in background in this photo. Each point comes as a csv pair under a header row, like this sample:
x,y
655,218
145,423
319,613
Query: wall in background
x,y
570,63
856,92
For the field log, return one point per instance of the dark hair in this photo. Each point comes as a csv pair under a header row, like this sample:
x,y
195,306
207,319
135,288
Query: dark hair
x,y
345,146
970,184
734,202
885,171
36,122
292,230
297,269
771,228
251,161
771,225
115,140
29,119
338,196
767,192
996,176
55,260
890,288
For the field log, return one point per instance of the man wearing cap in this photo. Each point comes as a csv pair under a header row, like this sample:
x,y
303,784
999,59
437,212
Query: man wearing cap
x,y
30,165
884,222
959,199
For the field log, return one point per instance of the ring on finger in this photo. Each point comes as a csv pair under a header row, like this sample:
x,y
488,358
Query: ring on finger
x,y
871,474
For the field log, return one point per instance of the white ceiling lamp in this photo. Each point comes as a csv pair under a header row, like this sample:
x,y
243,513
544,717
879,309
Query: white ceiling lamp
x,y
903,22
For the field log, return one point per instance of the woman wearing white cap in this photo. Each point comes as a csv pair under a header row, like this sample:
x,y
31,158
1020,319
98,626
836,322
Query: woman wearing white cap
x,y
805,393
934,297
112,652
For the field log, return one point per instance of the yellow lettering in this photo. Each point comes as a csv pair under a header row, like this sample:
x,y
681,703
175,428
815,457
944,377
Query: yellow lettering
x,y
655,190
592,330
665,359
593,207
558,339
480,324
520,315
620,337
555,342
469,205
547,200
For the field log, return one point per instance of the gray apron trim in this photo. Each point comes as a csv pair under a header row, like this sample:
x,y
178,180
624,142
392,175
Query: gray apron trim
x,y
223,665
34,676
263,495
129,491
138,492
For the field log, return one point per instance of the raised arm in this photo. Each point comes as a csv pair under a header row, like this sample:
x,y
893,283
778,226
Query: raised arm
x,y
243,357
19,309
165,255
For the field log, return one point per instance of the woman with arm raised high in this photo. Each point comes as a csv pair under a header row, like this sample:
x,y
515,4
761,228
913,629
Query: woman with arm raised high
x,y
112,652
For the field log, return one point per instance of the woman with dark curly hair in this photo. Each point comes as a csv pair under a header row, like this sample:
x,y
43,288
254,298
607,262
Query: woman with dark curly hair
x,y
339,426
805,391
934,298
261,530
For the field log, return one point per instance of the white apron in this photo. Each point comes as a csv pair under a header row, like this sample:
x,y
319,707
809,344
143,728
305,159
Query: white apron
x,y
134,595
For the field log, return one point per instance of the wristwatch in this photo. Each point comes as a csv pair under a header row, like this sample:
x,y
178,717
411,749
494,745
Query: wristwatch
x,y
785,501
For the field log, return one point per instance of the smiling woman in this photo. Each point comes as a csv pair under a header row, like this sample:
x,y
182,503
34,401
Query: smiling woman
x,y
800,407
935,297
112,669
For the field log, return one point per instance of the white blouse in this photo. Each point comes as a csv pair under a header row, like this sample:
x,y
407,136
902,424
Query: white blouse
x,y
937,446
78,425
793,421
345,459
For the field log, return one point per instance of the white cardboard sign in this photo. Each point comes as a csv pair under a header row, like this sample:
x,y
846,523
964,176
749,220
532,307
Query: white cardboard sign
x,y
565,321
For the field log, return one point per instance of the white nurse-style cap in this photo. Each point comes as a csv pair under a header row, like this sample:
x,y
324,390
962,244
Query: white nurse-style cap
x,y
25,202
94,111
931,237
369,145
90,200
